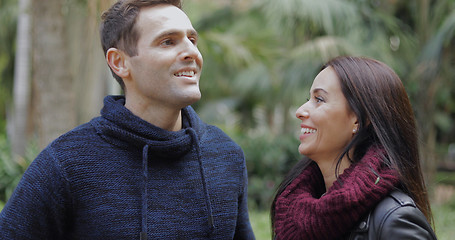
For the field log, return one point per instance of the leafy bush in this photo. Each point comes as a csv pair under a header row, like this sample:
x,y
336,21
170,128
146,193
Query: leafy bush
x,y
445,177
268,159
12,168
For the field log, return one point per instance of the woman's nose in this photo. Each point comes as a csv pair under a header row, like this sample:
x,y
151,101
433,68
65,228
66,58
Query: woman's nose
x,y
302,112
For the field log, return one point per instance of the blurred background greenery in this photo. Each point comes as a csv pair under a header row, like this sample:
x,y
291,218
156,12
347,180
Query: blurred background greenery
x,y
260,57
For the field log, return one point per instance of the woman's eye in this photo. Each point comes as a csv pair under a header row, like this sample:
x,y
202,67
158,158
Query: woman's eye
x,y
319,99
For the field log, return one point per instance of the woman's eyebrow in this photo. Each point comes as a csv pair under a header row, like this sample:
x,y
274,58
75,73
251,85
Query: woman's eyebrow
x,y
319,90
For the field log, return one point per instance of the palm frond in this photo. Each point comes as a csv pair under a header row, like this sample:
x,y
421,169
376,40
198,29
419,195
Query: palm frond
x,y
323,14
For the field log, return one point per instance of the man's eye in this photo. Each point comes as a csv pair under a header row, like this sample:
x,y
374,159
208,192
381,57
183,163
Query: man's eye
x,y
193,40
167,42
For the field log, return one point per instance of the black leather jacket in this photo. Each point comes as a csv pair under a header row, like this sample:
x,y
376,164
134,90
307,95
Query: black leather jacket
x,y
395,217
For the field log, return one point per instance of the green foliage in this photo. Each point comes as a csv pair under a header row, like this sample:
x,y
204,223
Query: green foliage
x,y
260,58
260,222
11,169
263,56
447,178
444,217
268,159
8,19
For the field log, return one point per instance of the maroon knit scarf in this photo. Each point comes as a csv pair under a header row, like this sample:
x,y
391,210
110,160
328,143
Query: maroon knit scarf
x,y
301,214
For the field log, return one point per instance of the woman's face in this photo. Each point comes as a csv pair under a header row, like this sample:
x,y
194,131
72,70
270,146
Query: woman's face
x,y
328,123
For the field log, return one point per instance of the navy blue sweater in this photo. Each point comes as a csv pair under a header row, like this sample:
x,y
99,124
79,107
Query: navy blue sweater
x,y
119,177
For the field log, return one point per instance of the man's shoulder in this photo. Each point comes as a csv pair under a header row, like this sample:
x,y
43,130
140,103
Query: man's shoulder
x,y
82,135
214,135
83,131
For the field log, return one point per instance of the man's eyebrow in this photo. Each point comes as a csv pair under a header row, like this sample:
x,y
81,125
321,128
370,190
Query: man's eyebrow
x,y
193,33
169,33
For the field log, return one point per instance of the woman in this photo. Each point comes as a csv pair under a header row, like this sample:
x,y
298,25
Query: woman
x,y
361,176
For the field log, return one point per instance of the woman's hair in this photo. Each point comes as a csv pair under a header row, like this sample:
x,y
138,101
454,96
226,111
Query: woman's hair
x,y
117,28
378,98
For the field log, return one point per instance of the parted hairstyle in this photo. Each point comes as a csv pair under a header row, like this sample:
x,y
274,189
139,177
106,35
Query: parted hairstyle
x,y
378,98
118,30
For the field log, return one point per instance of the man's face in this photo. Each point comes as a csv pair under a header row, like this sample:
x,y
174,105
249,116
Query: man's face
x,y
165,73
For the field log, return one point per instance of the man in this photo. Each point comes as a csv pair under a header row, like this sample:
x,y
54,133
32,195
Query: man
x,y
148,167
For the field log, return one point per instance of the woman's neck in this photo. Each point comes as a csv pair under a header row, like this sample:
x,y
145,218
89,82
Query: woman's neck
x,y
329,171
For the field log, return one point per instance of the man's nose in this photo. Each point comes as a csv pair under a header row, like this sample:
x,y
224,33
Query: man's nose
x,y
190,52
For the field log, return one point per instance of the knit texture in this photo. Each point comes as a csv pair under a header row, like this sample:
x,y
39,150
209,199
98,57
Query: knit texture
x,y
118,176
301,212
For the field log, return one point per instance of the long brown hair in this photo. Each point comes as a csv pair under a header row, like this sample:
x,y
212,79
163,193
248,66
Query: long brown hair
x,y
377,96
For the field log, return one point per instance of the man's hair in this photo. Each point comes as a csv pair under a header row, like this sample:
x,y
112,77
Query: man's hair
x,y
117,29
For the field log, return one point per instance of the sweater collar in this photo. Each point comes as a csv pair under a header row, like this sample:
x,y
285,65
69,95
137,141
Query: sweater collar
x,y
302,211
121,127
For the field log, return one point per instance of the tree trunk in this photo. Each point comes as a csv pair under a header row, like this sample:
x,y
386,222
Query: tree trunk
x,y
54,98
426,73
92,76
17,124
87,62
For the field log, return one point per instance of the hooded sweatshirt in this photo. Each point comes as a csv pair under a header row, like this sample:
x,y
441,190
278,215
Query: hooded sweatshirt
x,y
120,177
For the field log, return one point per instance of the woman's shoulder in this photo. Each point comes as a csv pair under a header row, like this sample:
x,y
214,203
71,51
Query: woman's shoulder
x,y
395,217
395,201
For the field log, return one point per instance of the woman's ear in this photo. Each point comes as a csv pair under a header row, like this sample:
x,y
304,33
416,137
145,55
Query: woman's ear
x,y
355,129
355,126
116,59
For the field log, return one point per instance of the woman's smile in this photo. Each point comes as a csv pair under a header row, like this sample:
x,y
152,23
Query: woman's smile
x,y
306,131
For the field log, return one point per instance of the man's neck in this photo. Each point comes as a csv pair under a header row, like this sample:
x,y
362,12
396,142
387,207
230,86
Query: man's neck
x,y
164,118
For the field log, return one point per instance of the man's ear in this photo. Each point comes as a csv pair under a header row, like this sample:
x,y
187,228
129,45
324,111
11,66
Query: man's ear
x,y
117,61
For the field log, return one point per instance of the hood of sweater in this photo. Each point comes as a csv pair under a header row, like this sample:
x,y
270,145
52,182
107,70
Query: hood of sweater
x,y
122,128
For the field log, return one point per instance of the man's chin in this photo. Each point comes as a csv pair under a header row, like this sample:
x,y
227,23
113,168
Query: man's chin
x,y
193,98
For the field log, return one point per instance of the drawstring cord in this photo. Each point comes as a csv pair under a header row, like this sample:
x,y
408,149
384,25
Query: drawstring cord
x,y
204,182
145,151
